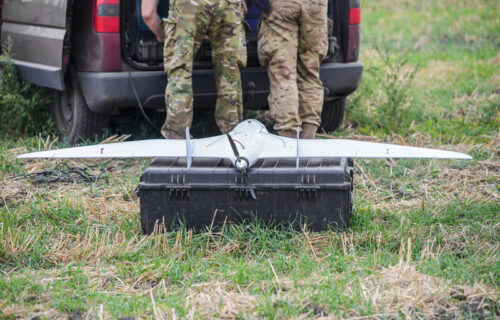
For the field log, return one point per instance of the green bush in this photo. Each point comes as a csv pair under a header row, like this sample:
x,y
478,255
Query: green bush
x,y
23,107
384,100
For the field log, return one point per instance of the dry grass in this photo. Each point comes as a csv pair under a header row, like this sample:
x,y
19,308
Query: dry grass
x,y
12,192
398,290
31,312
401,289
17,242
89,248
437,180
392,291
223,300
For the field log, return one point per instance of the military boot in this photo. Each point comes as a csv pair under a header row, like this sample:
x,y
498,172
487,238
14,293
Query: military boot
x,y
308,131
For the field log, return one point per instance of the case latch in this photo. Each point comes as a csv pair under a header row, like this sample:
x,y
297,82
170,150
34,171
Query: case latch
x,y
308,187
178,189
241,189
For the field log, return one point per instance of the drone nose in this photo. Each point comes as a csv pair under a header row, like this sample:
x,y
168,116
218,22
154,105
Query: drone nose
x,y
241,164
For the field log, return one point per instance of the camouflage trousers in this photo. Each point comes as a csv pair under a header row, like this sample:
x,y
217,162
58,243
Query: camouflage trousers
x,y
293,40
188,22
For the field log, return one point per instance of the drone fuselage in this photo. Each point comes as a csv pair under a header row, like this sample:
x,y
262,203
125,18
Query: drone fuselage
x,y
248,139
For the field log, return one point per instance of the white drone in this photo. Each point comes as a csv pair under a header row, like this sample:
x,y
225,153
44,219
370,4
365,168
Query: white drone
x,y
248,142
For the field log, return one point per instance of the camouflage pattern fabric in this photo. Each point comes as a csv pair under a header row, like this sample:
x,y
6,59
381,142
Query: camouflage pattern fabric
x,y
188,22
293,40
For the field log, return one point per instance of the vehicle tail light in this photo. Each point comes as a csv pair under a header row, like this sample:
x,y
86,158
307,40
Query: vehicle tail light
x,y
352,53
106,16
355,16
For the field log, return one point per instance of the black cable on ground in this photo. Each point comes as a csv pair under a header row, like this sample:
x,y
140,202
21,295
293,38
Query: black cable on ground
x,y
62,172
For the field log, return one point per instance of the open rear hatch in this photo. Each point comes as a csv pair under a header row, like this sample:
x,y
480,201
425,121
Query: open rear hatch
x,y
139,45
141,50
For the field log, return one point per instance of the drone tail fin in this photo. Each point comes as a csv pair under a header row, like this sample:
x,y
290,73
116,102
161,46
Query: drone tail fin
x,y
297,160
189,149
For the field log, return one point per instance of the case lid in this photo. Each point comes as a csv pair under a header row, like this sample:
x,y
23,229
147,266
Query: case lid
x,y
267,173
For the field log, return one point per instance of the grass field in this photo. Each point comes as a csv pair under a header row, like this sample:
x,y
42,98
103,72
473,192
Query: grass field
x,y
425,235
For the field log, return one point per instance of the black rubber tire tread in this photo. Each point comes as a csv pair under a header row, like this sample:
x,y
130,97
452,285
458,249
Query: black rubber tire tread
x,y
85,123
332,115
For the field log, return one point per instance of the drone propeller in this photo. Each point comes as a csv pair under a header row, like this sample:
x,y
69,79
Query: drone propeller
x,y
241,165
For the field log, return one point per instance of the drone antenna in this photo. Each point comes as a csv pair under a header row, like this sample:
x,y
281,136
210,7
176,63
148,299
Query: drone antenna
x,y
189,149
297,160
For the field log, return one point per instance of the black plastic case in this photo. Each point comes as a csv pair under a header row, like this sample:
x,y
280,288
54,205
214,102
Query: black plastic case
x,y
318,193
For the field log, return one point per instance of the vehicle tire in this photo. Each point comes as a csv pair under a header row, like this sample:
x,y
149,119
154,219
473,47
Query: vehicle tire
x,y
73,118
333,114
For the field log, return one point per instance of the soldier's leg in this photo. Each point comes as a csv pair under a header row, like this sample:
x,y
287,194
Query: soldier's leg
x,y
186,25
313,45
278,43
179,101
225,38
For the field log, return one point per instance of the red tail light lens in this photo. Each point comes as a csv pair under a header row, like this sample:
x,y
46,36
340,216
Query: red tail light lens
x,y
352,53
355,16
106,16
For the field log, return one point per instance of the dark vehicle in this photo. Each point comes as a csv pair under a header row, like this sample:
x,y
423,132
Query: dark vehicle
x,y
91,52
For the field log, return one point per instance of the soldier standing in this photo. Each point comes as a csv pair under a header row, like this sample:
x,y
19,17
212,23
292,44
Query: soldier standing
x,y
292,42
187,23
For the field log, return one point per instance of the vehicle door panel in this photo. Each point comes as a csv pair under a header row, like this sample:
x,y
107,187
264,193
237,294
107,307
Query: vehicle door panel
x,y
50,13
36,30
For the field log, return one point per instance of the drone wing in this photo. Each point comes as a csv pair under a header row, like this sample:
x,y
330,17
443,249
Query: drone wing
x,y
272,147
153,148
279,147
130,149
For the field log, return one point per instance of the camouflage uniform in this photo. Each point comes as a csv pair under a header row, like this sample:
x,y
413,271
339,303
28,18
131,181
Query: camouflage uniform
x,y
293,40
188,22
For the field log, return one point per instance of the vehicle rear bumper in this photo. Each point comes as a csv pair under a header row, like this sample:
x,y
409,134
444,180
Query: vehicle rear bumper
x,y
106,92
